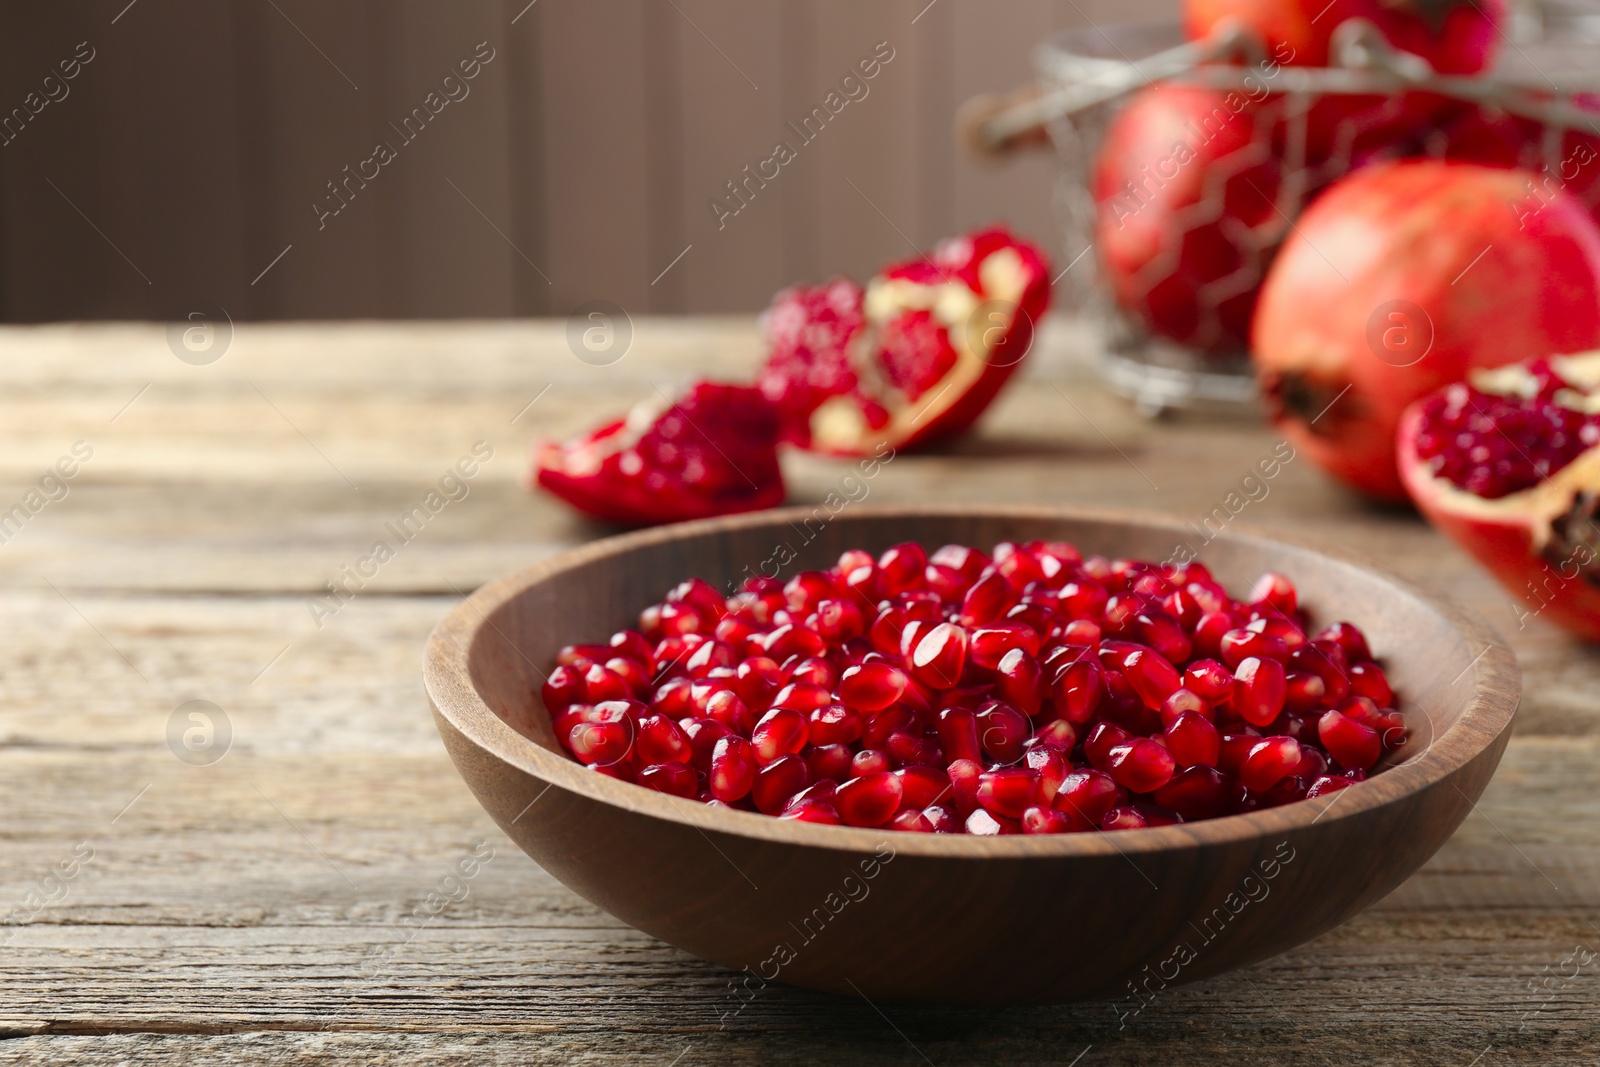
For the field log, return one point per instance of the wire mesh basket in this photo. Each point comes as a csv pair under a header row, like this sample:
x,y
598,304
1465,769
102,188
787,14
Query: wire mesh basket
x,y
1170,340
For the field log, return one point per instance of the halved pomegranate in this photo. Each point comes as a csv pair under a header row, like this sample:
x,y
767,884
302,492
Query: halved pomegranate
x,y
914,357
713,451
1508,464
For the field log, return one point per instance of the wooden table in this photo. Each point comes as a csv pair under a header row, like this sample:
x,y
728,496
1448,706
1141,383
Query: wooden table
x,y
251,909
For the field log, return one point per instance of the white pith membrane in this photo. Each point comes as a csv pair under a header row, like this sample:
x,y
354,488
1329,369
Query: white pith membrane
x,y
838,423
581,459
1538,506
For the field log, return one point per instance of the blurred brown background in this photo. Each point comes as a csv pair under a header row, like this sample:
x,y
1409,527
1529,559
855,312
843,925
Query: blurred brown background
x,y
186,155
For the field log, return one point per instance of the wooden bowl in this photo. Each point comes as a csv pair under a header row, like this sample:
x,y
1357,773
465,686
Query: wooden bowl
x,y
955,918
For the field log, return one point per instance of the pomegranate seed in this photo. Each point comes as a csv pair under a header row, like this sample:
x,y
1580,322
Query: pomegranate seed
x,y
1124,818
958,734
830,762
1193,741
1164,634
1153,677
1078,690
676,778
835,725
1240,645
1367,680
1303,691
1086,796
984,824
1352,743
818,811
1101,740
606,737
1050,764
660,740
1141,766
1208,632
1259,689
1350,639
563,688
1196,793
757,681
901,567
1002,731
1272,626
912,822
1081,632
870,800
1019,681
1181,701
1210,679
872,686
1313,764
964,784
726,707
940,656
802,697
1277,591
1234,747
987,601
1008,791
922,787
1039,820
1287,790
1058,733
1269,761
1083,599
703,735
869,761
943,819
777,782
1328,784
890,720
989,645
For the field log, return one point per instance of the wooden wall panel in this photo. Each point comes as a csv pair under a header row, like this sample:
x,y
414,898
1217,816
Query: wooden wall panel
x,y
201,135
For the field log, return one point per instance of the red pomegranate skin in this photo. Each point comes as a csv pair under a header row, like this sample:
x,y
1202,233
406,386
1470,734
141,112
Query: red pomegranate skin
x,y
1538,543
1454,36
1447,259
1167,150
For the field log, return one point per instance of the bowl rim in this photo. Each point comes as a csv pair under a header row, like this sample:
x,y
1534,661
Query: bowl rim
x,y
1490,706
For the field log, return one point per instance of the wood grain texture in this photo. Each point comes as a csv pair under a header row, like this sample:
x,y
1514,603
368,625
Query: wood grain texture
x,y
210,927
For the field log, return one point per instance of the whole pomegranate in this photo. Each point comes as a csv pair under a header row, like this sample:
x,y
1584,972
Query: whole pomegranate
x,y
1454,36
1184,187
1508,464
1400,279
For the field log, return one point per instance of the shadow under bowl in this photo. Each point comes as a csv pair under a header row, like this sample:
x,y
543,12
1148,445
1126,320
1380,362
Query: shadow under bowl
x,y
955,918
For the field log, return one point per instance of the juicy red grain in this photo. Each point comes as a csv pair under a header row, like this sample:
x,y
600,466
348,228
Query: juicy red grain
x,y
1031,691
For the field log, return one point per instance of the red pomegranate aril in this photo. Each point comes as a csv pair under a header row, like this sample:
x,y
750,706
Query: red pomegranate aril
x,y
1125,817
660,740
1196,793
1182,701
1020,682
1209,678
958,734
1078,690
1087,795
1083,599
989,646
1287,790
1275,626
987,601
835,725
1058,733
708,655
1209,631
802,697
1232,748
870,800
1368,680
1392,730
1081,632
1350,639
1101,740
922,786
1352,743
1303,692
985,824
757,680
830,762
1007,792
908,750
1313,764
563,687
817,811
726,707
1277,591
1193,741
872,686
890,720
964,775
1051,766
1270,760
1042,820
678,779
1152,675
703,735
1327,784
813,671
1164,634
940,656
1140,766
1002,731
601,684
911,822
1240,644
869,761
777,782
1259,689
604,742
901,567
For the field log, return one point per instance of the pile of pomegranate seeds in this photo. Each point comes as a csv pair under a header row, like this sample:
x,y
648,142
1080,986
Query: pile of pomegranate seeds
x,y
1031,691
1495,444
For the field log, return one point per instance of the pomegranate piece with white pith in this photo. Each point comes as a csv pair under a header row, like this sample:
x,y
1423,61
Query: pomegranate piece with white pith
x,y
1508,464
711,451
914,357
1024,690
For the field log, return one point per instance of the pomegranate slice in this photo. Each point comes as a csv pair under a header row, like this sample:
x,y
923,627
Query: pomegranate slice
x,y
913,358
713,451
1507,464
